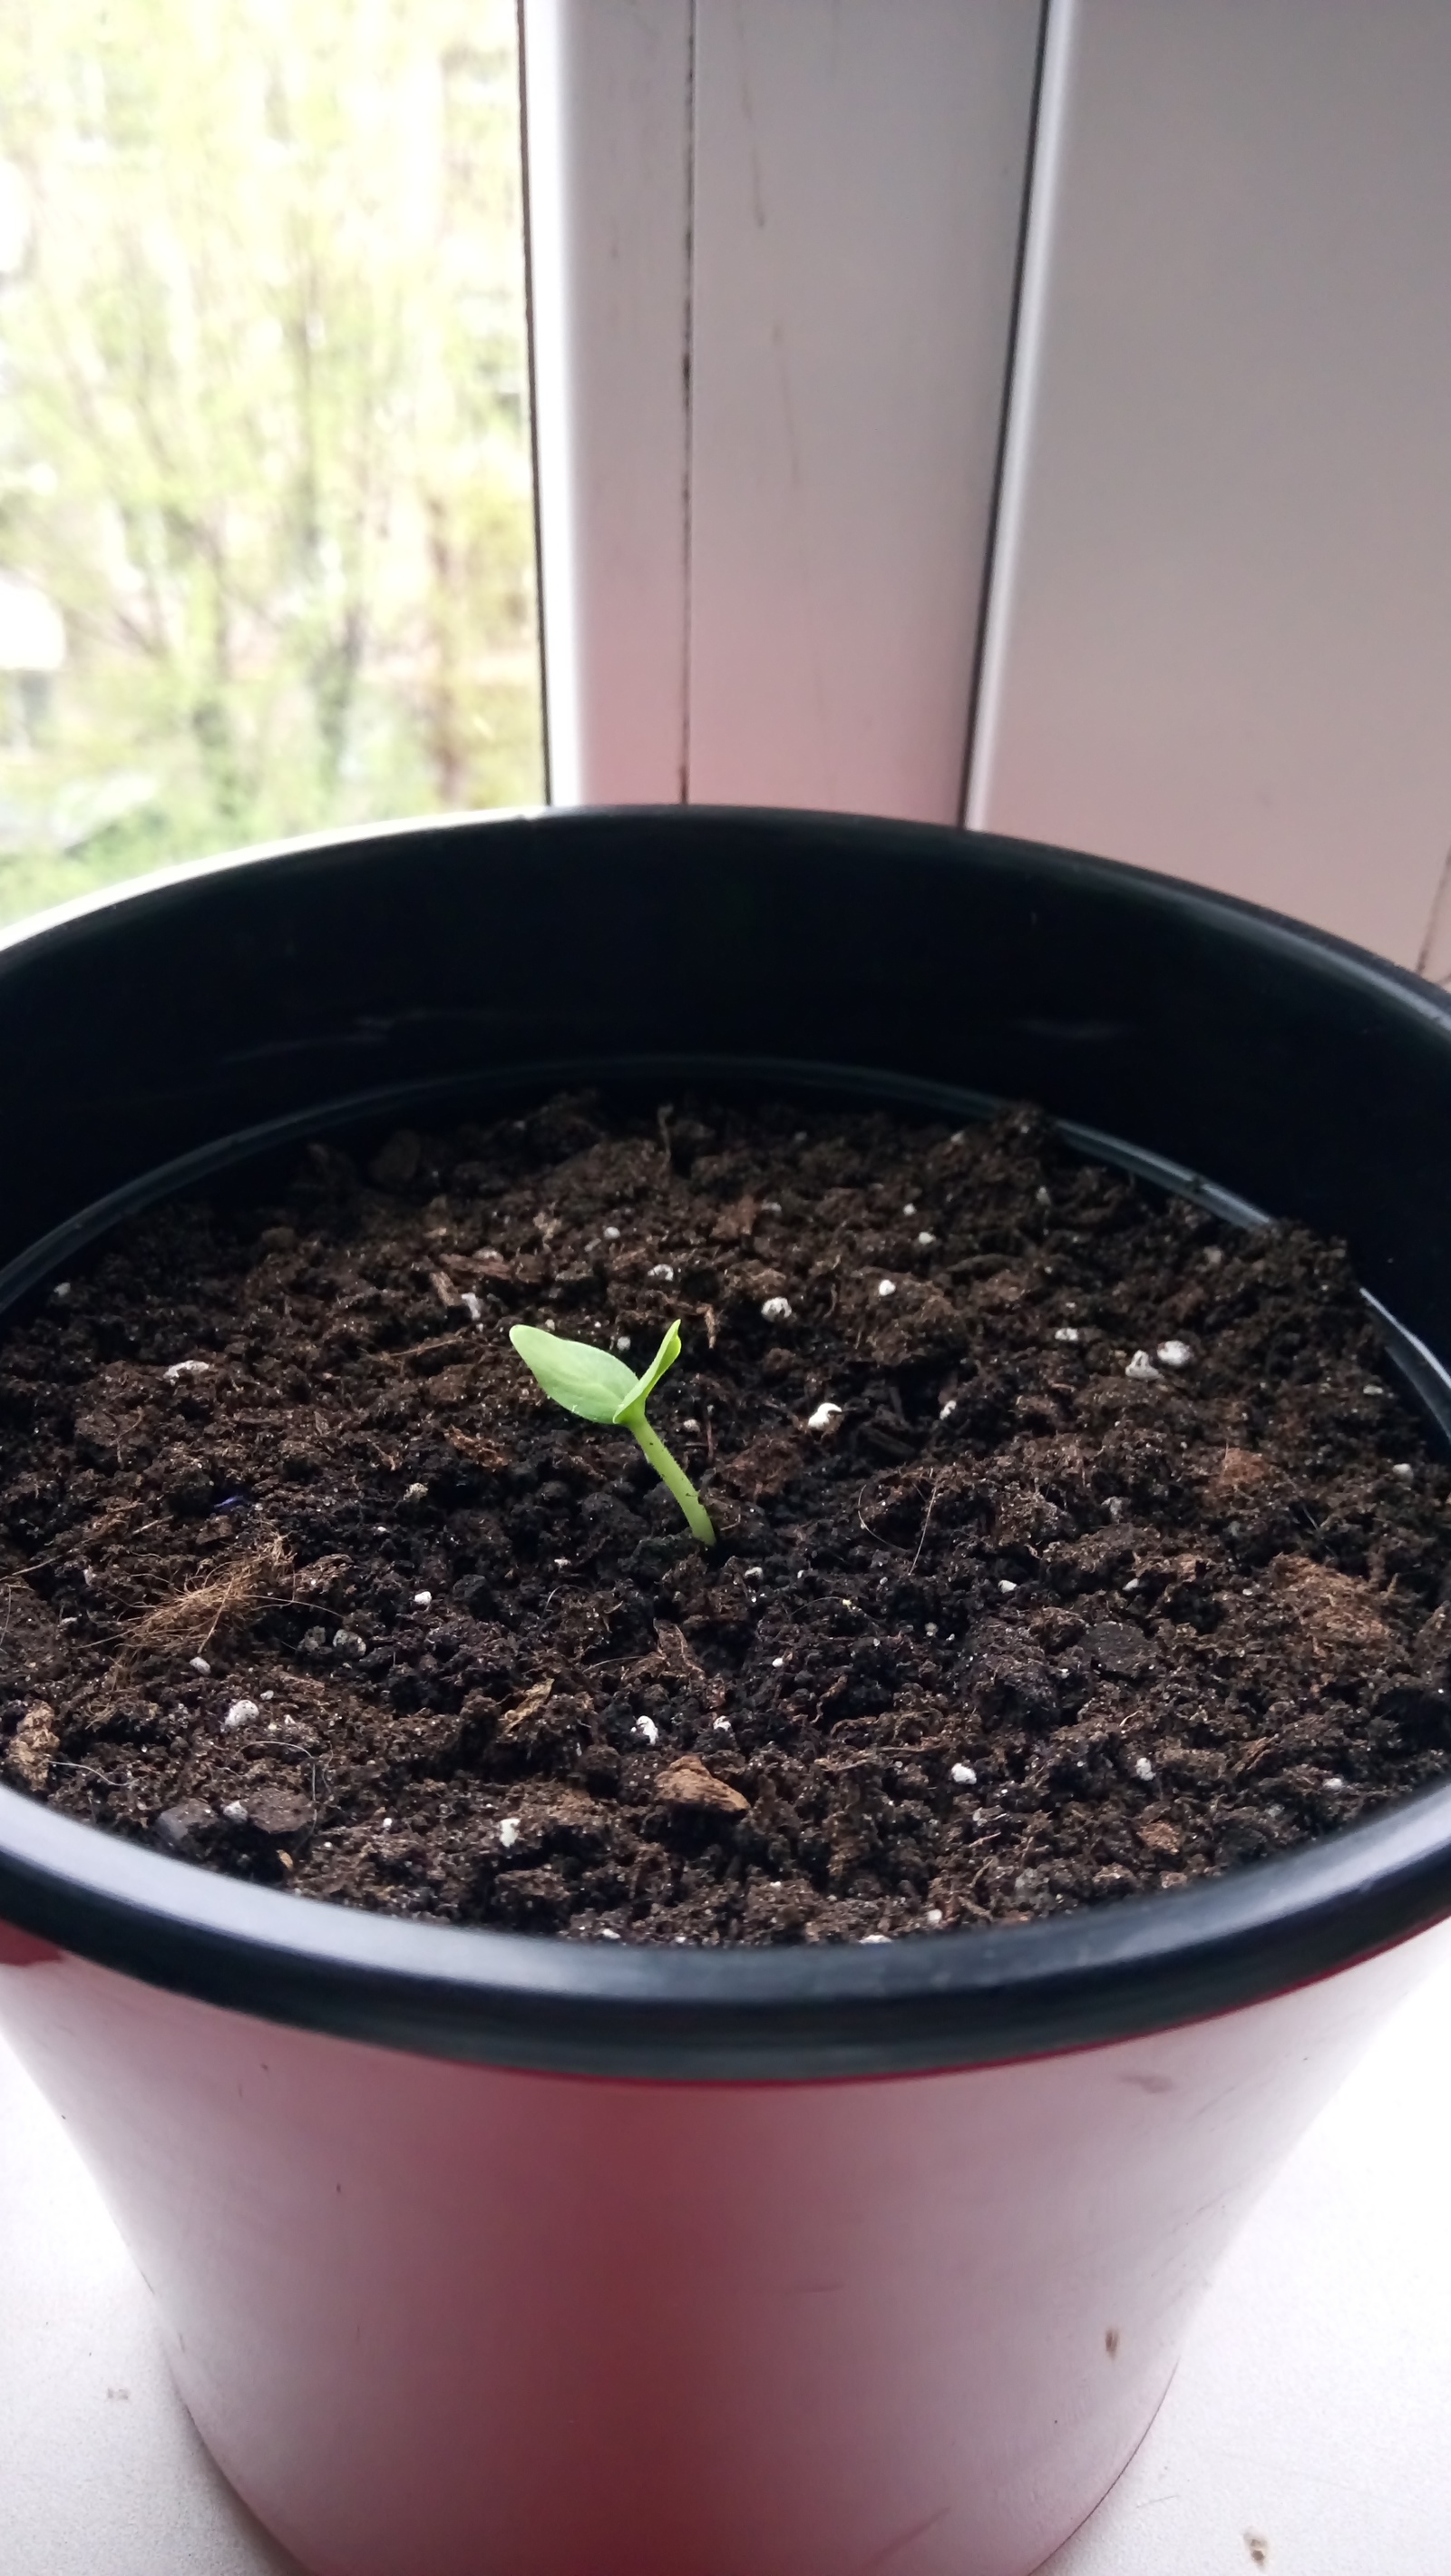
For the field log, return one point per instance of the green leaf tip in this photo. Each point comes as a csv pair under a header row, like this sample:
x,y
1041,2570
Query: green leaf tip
x,y
644,1387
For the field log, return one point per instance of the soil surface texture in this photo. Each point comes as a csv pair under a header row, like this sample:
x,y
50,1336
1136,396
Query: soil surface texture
x,y
1072,1542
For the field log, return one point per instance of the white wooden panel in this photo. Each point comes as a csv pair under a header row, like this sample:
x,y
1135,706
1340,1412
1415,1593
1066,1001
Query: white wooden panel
x,y
607,122
859,184
1220,639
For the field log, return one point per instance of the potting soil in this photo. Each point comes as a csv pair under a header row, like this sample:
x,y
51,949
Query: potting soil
x,y
1071,1541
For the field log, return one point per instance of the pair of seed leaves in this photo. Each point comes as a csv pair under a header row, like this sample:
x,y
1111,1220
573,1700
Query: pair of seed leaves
x,y
598,1386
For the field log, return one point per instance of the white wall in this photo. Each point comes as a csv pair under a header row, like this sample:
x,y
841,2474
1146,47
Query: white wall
x,y
1221,637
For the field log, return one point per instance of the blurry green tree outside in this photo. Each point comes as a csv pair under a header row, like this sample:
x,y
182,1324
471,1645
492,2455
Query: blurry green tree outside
x,y
266,512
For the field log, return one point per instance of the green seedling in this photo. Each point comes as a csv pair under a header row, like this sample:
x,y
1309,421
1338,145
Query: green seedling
x,y
599,1387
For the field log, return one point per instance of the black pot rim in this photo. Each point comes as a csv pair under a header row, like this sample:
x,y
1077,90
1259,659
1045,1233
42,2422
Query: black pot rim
x,y
945,2000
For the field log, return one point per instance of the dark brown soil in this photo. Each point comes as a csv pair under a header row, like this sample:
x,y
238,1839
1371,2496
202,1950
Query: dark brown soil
x,y
308,1582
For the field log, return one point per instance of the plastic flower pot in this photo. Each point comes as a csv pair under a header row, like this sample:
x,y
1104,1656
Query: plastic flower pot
x,y
485,2255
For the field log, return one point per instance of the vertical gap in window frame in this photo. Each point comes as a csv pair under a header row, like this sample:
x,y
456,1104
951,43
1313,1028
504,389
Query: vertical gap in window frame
x,y
1016,339
542,664
687,398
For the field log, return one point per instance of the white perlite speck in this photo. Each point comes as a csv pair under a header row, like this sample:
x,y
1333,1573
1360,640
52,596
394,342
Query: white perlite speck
x,y
647,1727
1143,1768
823,1418
720,1726
235,1812
186,1368
661,1270
423,1600
1175,1355
607,1935
241,1713
1405,1471
776,1310
508,1831
933,1916
1068,1333
964,1776
473,1306
770,1207
1142,1370
875,1940
886,1287
924,1238
1006,1586
611,1233
62,1289
199,1664
622,1341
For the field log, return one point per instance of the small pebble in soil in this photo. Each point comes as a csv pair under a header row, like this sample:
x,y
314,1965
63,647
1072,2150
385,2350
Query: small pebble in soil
x,y
508,1831
241,1713
235,1812
1142,1370
775,1310
647,1727
964,1775
823,1418
1175,1355
186,1368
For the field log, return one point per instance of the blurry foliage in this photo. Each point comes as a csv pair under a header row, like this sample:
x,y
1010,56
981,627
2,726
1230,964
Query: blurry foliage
x,y
263,424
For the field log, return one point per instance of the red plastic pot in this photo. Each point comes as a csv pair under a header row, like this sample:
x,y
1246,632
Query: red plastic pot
x,y
482,2255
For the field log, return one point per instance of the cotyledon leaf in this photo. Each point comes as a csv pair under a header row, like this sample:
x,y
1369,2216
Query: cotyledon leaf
x,y
591,1383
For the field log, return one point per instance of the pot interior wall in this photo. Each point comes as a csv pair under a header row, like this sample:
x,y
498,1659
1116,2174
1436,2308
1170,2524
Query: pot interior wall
x,y
1306,1078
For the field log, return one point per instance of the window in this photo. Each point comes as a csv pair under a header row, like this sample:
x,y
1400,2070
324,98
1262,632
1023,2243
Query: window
x,y
266,508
